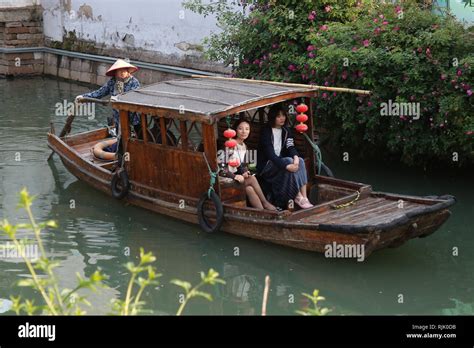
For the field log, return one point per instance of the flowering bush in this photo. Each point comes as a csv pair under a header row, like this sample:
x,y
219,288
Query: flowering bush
x,y
402,54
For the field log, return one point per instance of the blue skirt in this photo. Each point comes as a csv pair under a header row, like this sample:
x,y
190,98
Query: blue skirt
x,y
285,185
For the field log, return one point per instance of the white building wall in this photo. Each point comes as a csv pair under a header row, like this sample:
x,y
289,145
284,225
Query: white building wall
x,y
154,25
17,3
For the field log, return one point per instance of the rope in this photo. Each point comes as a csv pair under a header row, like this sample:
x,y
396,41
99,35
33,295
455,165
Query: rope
x,y
319,158
317,151
348,203
213,176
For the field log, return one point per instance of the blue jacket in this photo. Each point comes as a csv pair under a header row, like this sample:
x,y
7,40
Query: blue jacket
x,y
267,153
109,89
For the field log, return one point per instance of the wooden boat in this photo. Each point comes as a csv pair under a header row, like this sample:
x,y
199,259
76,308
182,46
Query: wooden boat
x,y
181,126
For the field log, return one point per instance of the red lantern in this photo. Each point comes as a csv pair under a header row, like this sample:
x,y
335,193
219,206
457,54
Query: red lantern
x,y
301,117
229,133
231,143
301,128
234,162
302,108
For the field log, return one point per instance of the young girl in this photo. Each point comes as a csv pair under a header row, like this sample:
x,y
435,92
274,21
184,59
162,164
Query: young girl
x,y
241,173
278,162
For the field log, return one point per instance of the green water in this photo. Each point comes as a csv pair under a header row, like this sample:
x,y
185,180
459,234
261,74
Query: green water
x,y
98,231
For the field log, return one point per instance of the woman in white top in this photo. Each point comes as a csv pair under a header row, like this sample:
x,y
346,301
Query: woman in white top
x,y
241,174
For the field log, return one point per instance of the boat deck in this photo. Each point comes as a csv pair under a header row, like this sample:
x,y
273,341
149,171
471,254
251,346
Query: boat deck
x,y
368,211
85,150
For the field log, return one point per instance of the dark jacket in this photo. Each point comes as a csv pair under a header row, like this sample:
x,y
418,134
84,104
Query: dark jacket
x,y
267,153
109,89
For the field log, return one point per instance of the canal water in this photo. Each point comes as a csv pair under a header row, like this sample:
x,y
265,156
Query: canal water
x,y
95,231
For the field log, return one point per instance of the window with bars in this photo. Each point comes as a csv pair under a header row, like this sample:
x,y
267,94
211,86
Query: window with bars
x,y
185,135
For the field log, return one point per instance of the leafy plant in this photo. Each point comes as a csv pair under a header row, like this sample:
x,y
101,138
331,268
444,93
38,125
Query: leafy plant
x,y
401,52
317,310
211,278
66,301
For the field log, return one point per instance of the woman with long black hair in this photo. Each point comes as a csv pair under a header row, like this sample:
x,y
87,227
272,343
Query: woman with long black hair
x,y
278,162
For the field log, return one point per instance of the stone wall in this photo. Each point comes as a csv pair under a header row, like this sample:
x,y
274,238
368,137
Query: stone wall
x,y
89,71
19,28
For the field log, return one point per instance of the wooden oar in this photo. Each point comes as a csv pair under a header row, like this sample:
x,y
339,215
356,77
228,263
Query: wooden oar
x,y
70,118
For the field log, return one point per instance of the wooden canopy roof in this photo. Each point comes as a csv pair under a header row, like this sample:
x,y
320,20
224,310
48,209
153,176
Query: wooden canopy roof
x,y
208,99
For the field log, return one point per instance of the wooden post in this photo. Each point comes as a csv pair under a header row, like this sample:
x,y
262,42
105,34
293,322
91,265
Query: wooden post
x,y
163,131
309,149
144,127
210,146
124,128
184,134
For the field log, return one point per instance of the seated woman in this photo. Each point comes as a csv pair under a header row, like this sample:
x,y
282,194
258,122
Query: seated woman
x,y
278,162
241,173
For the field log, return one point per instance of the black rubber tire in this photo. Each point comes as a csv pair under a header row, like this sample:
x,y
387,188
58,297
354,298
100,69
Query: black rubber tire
x,y
205,225
120,177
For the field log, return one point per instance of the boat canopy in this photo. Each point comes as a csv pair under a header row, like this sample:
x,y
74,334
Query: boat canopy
x,y
207,99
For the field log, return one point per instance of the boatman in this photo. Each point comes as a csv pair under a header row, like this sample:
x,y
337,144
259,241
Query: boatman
x,y
121,81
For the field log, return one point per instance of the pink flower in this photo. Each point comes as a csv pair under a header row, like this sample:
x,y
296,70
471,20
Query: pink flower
x,y
459,72
377,30
366,42
469,92
428,52
275,45
256,61
325,95
398,9
311,17
396,28
344,75
381,16
324,27
385,22
470,132
369,103
310,48
354,49
376,20
326,83
443,77
291,67
311,55
246,61
328,8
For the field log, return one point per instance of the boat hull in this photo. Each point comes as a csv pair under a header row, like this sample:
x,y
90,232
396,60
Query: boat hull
x,y
310,236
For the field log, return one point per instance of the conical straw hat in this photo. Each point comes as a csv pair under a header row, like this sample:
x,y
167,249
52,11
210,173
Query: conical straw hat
x,y
121,64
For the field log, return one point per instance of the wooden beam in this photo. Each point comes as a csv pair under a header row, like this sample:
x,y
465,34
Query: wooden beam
x,y
284,84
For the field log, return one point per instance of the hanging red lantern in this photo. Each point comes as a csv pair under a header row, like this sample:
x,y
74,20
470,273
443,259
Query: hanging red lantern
x,y
301,128
231,143
229,133
302,108
301,117
234,162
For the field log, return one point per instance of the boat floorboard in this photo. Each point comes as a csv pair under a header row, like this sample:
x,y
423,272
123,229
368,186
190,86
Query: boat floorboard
x,y
85,151
371,210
